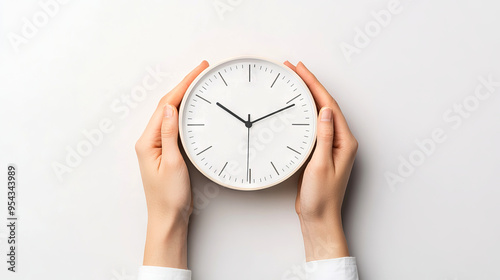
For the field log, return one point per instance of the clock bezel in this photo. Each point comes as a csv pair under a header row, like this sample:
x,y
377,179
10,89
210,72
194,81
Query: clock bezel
x,y
285,68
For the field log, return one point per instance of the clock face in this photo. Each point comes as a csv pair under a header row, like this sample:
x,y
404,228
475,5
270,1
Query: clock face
x,y
248,123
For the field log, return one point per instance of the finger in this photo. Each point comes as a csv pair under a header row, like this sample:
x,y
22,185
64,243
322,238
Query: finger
x,y
169,131
174,97
151,135
323,98
323,154
290,65
320,94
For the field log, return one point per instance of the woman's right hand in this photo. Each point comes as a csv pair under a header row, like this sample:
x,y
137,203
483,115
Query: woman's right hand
x,y
322,187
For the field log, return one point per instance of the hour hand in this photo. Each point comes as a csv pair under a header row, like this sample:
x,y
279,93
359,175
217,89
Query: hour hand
x,y
230,112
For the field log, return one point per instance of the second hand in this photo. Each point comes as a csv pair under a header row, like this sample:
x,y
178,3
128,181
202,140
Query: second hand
x,y
249,178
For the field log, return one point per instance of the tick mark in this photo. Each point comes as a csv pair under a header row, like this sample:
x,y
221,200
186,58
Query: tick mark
x,y
223,79
203,99
195,124
300,124
275,80
203,151
275,168
223,169
293,98
293,150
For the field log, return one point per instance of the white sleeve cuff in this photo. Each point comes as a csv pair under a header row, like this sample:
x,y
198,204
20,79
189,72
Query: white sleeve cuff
x,y
332,269
163,273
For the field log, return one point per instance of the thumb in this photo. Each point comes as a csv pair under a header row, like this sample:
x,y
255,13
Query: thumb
x,y
325,132
169,131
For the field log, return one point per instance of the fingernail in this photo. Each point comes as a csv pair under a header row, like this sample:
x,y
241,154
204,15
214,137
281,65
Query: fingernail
x,y
169,111
326,114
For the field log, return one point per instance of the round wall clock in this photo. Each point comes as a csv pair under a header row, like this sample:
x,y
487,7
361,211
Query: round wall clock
x,y
248,123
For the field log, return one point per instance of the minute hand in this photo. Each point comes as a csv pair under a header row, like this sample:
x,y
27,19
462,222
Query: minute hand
x,y
275,112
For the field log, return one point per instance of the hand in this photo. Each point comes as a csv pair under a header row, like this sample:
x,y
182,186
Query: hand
x,y
322,186
166,181
275,112
231,112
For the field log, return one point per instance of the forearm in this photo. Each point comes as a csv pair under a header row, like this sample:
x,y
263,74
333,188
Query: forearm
x,y
166,243
324,238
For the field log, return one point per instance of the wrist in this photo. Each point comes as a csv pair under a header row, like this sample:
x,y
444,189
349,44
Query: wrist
x,y
323,237
166,227
166,242
162,215
166,219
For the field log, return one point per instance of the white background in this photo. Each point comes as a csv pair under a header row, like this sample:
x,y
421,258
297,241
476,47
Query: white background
x,y
441,222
